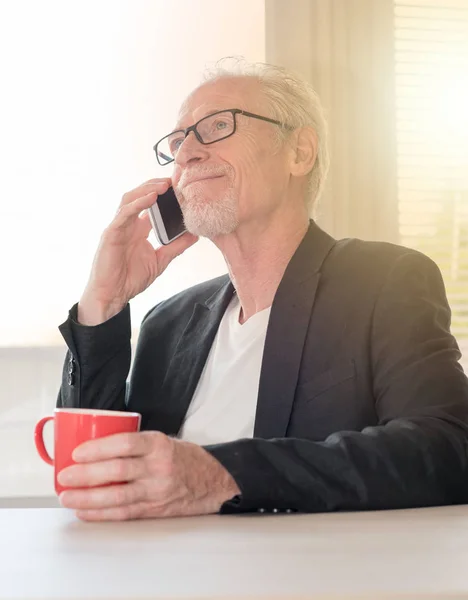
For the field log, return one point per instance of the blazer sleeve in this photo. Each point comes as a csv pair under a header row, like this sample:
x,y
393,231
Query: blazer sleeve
x,y
416,456
97,362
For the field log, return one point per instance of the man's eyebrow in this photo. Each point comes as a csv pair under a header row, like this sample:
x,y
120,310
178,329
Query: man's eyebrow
x,y
207,114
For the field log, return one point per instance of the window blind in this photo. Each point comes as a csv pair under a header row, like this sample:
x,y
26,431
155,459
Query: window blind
x,y
431,66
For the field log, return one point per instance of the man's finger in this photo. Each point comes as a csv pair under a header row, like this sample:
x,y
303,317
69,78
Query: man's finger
x,y
102,472
168,252
103,497
153,185
115,446
130,212
117,513
145,224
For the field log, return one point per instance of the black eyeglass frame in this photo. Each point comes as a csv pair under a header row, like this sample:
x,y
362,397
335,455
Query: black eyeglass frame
x,y
233,111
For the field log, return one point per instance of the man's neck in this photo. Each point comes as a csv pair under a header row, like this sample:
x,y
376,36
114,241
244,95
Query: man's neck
x,y
257,257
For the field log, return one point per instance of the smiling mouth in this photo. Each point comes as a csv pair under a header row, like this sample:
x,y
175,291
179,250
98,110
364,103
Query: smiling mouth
x,y
204,179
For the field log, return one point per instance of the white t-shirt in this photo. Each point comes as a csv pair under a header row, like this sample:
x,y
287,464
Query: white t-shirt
x,y
225,401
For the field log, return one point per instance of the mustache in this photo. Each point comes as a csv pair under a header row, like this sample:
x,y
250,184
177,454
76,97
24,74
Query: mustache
x,y
200,172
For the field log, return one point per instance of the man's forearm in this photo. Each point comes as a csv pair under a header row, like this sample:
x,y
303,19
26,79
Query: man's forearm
x,y
406,463
98,362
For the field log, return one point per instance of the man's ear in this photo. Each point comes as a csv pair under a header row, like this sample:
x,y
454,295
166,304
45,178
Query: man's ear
x,y
304,145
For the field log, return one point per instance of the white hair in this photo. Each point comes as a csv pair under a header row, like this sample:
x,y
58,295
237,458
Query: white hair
x,y
292,101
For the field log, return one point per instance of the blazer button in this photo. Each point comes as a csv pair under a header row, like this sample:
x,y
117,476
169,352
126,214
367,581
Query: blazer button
x,y
70,380
276,510
261,510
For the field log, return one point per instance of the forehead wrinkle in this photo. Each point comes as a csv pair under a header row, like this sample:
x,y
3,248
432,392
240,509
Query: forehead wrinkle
x,y
236,92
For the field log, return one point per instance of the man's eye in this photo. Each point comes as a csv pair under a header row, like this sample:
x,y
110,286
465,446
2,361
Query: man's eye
x,y
176,144
220,125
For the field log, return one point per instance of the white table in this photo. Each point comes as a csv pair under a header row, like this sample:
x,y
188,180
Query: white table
x,y
423,553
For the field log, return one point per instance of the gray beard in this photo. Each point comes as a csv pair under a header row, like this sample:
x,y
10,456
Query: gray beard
x,y
209,220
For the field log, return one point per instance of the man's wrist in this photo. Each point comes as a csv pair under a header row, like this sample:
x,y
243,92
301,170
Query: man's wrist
x,y
225,485
210,481
92,313
231,489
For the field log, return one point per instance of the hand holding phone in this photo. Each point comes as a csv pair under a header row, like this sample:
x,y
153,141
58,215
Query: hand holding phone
x,y
166,217
126,263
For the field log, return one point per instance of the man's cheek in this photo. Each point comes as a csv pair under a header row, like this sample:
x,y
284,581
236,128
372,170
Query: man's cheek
x,y
250,148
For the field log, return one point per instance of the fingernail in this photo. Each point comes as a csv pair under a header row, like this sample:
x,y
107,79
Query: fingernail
x,y
63,497
64,478
78,454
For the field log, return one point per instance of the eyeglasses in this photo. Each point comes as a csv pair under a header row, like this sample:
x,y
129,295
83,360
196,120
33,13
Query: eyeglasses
x,y
213,128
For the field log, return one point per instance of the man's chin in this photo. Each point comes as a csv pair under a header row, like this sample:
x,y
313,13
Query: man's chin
x,y
209,215
205,230
209,226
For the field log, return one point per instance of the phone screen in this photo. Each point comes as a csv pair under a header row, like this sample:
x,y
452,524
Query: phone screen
x,y
171,214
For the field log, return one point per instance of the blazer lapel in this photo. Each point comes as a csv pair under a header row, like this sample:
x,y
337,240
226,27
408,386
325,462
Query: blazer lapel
x,y
191,355
289,322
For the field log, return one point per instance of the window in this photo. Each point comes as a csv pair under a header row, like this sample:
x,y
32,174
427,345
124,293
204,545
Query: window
x,y
87,89
431,52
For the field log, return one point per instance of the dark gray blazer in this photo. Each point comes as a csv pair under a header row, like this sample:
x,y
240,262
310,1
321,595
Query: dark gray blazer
x,y
362,403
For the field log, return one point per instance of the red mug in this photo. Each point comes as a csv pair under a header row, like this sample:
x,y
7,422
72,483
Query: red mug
x,y
74,426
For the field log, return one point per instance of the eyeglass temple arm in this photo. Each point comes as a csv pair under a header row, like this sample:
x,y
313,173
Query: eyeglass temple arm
x,y
267,119
164,156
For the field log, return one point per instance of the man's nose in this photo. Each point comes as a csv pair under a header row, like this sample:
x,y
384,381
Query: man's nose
x,y
191,150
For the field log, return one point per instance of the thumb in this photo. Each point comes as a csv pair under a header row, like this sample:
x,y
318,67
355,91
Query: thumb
x,y
167,253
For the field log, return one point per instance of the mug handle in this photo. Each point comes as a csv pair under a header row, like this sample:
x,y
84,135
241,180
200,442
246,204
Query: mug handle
x,y
39,440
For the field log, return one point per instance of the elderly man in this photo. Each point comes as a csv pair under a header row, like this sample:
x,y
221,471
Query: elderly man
x,y
319,375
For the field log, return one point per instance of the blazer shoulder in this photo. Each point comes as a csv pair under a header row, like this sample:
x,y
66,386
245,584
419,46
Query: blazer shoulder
x,y
380,256
365,267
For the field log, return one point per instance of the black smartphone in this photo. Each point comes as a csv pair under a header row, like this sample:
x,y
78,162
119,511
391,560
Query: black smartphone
x,y
166,217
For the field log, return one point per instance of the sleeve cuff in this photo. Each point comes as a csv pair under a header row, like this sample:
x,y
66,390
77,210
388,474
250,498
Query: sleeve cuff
x,y
97,339
253,475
